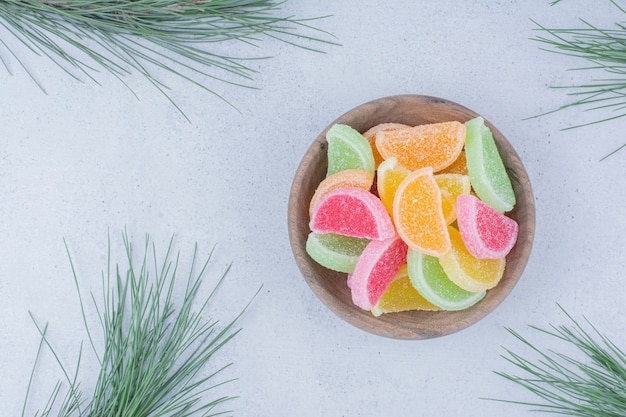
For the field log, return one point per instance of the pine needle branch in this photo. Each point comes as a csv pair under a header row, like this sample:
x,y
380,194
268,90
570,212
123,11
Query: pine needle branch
x,y
590,382
605,50
158,353
179,38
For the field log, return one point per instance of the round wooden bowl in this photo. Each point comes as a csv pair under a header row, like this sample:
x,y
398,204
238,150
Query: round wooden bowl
x,y
330,286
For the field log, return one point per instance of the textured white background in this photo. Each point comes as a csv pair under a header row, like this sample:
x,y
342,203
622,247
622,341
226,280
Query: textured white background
x,y
85,159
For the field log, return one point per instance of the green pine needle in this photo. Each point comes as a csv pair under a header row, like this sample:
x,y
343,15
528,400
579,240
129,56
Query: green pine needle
x,y
177,37
604,52
158,353
591,382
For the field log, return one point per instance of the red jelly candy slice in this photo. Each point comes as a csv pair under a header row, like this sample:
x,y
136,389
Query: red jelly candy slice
x,y
486,233
352,212
377,267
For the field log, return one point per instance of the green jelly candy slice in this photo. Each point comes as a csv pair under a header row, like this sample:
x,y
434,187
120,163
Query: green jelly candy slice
x,y
336,252
486,171
348,149
429,279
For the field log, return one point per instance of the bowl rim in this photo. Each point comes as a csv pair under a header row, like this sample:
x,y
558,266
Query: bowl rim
x,y
390,325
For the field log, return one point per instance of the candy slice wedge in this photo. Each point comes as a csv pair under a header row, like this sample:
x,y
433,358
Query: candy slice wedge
x,y
459,166
418,215
429,278
435,145
486,169
451,186
389,176
370,135
486,233
467,271
357,178
336,252
352,212
377,267
401,295
348,149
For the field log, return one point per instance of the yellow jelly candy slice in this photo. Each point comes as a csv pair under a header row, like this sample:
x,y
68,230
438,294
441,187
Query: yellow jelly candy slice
x,y
459,166
418,215
401,295
389,177
370,135
435,145
468,272
357,178
452,186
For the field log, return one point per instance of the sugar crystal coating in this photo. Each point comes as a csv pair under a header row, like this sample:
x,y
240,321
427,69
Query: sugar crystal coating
x,y
352,212
451,186
435,145
370,135
390,175
357,178
486,233
418,215
348,149
468,272
336,252
377,266
459,166
487,173
429,278
401,295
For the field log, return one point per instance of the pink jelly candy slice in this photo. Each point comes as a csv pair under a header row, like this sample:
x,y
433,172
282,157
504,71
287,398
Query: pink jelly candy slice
x,y
377,267
352,212
486,233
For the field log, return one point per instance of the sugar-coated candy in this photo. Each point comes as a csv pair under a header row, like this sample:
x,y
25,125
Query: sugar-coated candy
x,y
357,178
435,145
377,266
352,212
451,186
486,233
370,135
348,149
459,166
414,215
468,272
418,215
401,295
389,176
487,173
336,252
429,278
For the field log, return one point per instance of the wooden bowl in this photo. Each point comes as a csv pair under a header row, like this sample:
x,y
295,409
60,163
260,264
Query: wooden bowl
x,y
330,286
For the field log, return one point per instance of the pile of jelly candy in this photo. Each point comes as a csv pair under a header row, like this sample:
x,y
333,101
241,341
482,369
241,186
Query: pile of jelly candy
x,y
415,215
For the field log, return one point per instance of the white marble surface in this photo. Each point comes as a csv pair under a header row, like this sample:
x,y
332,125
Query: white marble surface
x,y
86,159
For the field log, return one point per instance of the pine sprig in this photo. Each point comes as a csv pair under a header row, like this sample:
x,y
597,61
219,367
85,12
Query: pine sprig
x,y
158,353
604,52
590,382
84,37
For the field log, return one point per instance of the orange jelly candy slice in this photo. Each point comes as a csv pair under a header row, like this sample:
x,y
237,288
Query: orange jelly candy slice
x,y
468,272
459,166
357,178
401,295
452,186
418,215
370,135
390,175
435,145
